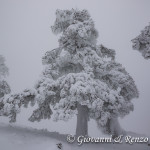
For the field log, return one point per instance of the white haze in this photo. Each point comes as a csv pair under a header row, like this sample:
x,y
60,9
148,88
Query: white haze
x,y
25,36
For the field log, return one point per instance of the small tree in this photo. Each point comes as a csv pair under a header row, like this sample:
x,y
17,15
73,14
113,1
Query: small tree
x,y
142,42
4,87
80,78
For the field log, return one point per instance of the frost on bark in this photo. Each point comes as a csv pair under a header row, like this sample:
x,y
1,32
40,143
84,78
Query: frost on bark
x,y
80,78
142,42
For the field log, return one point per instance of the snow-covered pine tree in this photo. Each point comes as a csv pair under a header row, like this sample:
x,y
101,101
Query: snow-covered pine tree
x,y
4,87
142,42
80,77
83,78
10,103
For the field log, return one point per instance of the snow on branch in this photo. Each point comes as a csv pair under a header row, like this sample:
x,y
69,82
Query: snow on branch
x,y
11,103
142,42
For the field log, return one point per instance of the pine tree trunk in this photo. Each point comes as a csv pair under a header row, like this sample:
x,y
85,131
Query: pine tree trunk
x,y
82,120
115,128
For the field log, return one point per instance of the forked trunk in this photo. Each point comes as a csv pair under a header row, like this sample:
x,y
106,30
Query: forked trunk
x,y
82,120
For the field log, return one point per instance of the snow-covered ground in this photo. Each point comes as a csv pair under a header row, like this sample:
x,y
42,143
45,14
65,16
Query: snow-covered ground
x,y
19,138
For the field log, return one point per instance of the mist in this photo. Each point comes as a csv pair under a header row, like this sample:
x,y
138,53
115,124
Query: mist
x,y
26,35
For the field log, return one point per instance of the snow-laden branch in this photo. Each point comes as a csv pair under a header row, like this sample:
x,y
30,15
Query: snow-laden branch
x,y
142,42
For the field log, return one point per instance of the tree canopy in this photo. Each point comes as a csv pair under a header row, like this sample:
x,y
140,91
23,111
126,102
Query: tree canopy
x,y
78,72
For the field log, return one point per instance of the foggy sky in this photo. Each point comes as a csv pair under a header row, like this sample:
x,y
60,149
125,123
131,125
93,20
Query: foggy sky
x,y
25,36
